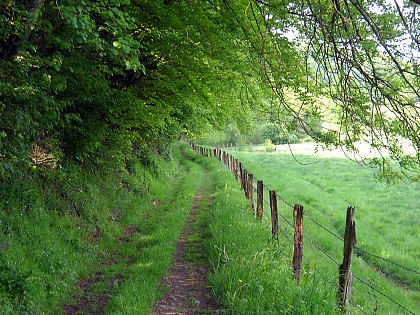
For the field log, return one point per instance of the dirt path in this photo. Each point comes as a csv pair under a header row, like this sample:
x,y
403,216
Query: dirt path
x,y
188,292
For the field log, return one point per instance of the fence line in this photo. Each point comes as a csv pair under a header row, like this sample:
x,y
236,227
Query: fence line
x,y
247,184
340,238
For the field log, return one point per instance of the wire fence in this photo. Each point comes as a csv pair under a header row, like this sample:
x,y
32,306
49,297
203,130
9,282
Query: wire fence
x,y
233,165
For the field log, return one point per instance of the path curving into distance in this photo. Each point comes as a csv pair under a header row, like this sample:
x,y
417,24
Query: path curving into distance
x,y
188,292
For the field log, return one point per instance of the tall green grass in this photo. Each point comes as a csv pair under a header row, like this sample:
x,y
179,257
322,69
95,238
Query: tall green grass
x,y
155,244
387,221
251,272
69,224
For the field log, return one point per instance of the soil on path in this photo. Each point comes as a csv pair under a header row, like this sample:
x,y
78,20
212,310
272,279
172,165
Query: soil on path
x,y
94,303
188,292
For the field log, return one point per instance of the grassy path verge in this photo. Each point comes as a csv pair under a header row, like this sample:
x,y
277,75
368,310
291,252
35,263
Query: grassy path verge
x,y
188,291
128,277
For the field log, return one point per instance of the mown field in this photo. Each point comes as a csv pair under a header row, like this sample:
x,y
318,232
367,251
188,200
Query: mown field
x,y
385,265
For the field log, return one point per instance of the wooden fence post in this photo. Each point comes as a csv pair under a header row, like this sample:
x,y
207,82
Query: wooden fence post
x,y
241,171
274,215
260,199
251,190
235,168
345,274
298,241
245,183
232,164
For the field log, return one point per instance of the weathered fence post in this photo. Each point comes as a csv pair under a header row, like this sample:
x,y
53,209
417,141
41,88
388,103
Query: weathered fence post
x,y
251,191
274,215
345,275
245,183
298,241
260,199
235,168
232,164
241,174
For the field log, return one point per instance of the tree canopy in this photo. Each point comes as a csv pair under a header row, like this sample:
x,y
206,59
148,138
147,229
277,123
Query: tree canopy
x,y
98,82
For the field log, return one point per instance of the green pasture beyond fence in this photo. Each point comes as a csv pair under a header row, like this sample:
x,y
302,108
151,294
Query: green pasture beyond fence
x,y
254,191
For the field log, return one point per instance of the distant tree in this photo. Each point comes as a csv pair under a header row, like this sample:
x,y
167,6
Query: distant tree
x,y
271,132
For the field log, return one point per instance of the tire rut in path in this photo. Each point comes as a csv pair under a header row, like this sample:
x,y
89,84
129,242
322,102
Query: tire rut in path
x,y
188,292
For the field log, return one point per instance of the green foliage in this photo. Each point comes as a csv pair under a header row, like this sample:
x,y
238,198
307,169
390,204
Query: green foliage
x,y
272,133
103,81
269,146
100,81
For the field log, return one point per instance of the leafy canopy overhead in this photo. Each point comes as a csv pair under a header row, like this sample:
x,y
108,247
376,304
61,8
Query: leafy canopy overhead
x,y
349,76
98,82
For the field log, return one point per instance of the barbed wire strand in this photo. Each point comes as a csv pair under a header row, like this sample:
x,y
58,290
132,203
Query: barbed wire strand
x,y
323,227
383,294
267,216
325,277
284,218
387,260
282,199
267,203
266,187
322,250
283,232
278,196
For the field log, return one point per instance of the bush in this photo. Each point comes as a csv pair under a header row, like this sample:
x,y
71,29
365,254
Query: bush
x,y
269,146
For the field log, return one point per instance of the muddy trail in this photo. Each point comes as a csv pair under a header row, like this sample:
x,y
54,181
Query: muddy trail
x,y
188,292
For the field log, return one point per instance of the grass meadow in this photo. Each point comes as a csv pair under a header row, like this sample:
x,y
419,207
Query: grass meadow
x,y
387,227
